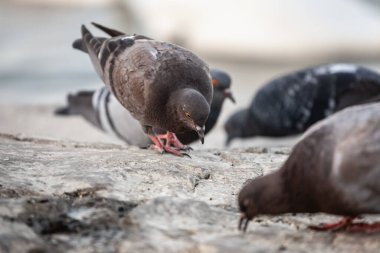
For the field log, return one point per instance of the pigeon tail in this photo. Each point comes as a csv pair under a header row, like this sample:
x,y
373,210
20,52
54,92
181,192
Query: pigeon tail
x,y
79,104
93,46
114,33
63,111
109,31
78,44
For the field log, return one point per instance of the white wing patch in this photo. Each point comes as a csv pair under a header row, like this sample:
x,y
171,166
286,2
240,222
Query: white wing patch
x,y
345,68
330,109
337,161
95,98
103,114
128,37
101,50
153,52
336,68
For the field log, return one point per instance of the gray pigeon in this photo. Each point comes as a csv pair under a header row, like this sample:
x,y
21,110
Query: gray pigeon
x,y
290,104
102,110
334,169
162,85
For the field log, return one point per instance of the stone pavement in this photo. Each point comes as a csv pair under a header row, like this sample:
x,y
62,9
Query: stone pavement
x,y
60,196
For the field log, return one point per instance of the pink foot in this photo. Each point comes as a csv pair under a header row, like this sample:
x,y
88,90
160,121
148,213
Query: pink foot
x,y
364,227
171,140
165,148
342,224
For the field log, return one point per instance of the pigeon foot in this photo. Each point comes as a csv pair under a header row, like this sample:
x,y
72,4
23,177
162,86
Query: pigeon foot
x,y
347,224
157,145
340,225
364,227
171,140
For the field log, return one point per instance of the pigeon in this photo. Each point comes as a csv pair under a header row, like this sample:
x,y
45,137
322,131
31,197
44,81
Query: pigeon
x,y
290,104
162,85
334,169
102,110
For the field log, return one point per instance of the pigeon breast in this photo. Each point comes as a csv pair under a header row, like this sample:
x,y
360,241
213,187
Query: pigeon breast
x,y
143,73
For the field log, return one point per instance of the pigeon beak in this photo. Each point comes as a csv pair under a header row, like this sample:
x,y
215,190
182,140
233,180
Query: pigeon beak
x,y
243,223
228,94
201,133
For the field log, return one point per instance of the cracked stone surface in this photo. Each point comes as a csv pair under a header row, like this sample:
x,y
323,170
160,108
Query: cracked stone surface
x,y
62,196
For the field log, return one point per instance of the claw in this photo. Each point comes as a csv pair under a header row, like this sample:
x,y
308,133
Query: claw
x,y
187,148
186,154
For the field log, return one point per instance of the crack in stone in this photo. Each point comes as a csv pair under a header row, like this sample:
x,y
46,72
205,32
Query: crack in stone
x,y
196,179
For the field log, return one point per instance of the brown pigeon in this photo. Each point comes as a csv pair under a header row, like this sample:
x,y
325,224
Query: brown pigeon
x,y
162,85
334,169
101,109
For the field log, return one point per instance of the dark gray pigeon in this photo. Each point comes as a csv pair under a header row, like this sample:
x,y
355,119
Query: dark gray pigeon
x,y
334,169
288,105
161,84
102,110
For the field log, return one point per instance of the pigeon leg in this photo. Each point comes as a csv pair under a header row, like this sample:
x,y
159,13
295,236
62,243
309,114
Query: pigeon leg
x,y
164,148
171,140
342,224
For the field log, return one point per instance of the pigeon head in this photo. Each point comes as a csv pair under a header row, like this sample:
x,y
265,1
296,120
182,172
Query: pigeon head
x,y
234,126
192,110
221,83
262,195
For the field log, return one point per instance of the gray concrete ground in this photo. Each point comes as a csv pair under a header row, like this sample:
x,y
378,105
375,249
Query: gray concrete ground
x,y
59,196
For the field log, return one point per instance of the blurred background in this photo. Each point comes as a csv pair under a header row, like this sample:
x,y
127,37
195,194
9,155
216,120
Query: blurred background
x,y
253,40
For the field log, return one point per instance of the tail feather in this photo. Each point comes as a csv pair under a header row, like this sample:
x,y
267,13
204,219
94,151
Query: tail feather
x,y
92,45
78,44
79,104
109,31
115,33
63,111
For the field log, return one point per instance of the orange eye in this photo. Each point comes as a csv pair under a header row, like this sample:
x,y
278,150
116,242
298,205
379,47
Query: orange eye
x,y
214,82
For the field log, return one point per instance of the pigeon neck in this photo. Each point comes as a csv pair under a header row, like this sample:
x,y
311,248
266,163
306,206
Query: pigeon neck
x,y
300,192
274,198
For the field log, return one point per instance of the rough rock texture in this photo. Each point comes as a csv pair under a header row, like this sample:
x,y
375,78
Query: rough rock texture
x,y
75,197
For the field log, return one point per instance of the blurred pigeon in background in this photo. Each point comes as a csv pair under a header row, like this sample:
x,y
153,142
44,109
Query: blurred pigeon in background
x,y
102,110
162,85
288,105
334,169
